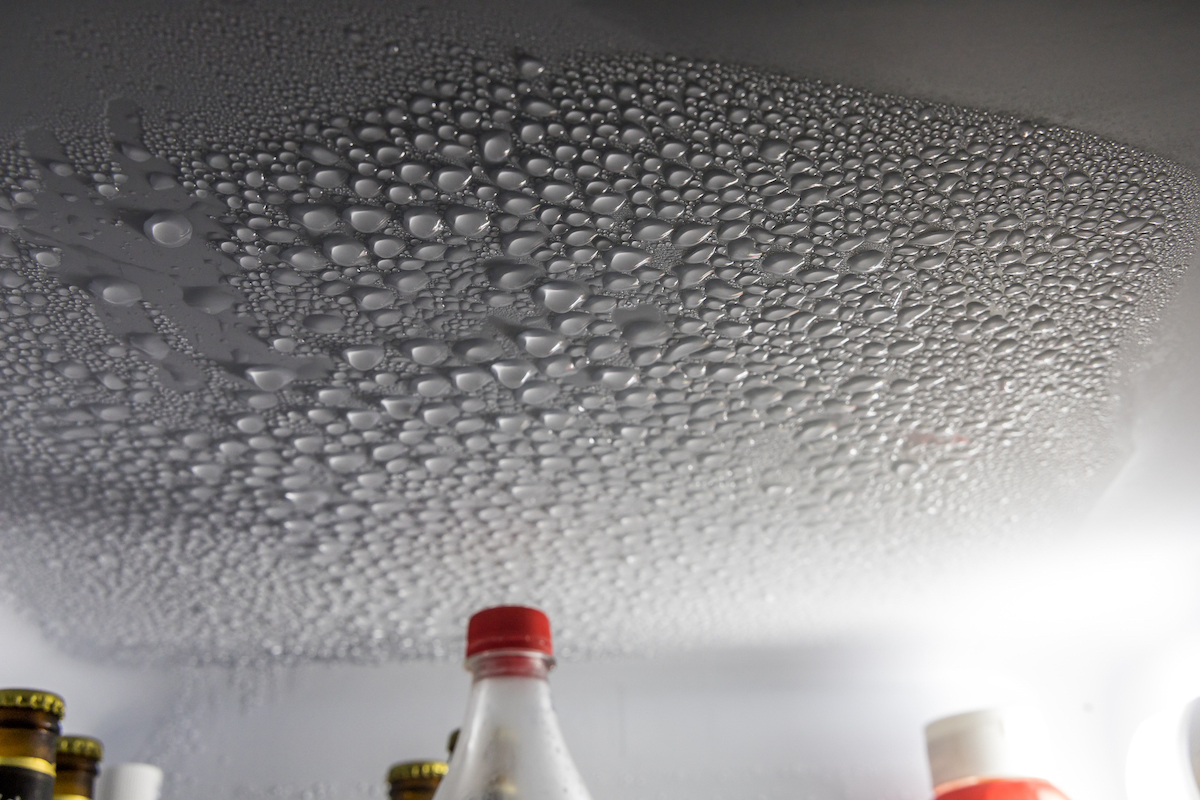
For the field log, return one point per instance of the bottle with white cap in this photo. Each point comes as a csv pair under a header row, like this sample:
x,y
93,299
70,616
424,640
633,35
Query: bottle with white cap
x,y
972,757
510,746
130,781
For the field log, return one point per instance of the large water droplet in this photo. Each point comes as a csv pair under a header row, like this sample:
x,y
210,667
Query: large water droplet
x,y
513,275
560,296
168,228
363,357
270,379
116,291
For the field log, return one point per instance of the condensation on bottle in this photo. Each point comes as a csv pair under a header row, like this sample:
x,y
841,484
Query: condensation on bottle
x,y
510,745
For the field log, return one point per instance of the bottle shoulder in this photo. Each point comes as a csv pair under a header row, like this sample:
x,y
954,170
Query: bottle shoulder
x,y
511,747
1005,789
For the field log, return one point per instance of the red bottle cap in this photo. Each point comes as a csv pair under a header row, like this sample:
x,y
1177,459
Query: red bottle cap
x,y
509,628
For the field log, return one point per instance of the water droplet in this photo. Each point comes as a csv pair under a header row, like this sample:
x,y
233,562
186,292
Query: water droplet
x,y
366,219
151,344
513,372
626,259
560,296
426,352
316,219
866,261
363,357
932,237
116,291
168,228
345,251
423,223
782,263
270,379
540,343
465,221
495,146
647,332
536,392
510,275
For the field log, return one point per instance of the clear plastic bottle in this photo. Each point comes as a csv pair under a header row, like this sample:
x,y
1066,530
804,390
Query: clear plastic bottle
x,y
510,746
971,758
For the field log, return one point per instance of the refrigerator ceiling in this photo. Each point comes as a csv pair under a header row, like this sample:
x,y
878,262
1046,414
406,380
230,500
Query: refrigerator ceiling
x,y
312,372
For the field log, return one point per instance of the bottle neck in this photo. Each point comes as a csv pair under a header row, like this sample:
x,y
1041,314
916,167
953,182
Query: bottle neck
x,y
76,777
27,733
510,664
422,791
28,741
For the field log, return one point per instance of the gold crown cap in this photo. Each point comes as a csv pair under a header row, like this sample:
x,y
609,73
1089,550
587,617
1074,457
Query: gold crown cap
x,y
33,699
84,746
416,770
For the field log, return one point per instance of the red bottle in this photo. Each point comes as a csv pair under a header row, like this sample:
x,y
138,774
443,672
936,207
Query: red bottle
x,y
971,758
1003,789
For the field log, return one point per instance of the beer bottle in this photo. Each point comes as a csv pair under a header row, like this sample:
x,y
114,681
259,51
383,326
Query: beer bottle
x,y
415,780
29,728
78,764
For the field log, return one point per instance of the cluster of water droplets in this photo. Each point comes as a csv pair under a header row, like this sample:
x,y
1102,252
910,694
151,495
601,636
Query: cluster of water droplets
x,y
649,342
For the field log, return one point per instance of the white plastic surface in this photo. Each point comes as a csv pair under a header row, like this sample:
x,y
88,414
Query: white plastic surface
x,y
1157,766
511,746
130,782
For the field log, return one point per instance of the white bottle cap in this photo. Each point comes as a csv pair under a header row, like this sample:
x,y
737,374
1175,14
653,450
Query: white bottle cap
x,y
971,745
130,782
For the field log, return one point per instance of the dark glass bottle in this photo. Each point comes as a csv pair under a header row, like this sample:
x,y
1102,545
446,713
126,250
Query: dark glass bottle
x,y
415,780
29,727
78,764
